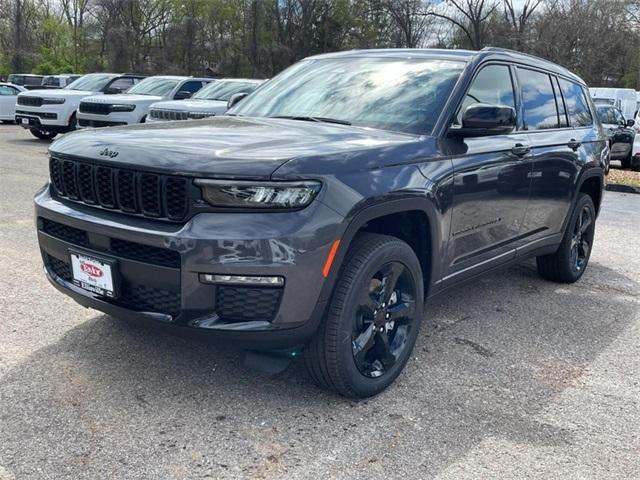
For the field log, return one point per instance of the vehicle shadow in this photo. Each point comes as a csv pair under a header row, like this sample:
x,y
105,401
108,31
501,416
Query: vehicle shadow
x,y
111,397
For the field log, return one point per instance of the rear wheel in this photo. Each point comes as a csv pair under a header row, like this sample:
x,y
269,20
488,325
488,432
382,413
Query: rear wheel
x,y
373,319
570,261
42,135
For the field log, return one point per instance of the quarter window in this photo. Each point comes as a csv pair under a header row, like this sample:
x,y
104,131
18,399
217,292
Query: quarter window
x,y
576,102
538,100
492,85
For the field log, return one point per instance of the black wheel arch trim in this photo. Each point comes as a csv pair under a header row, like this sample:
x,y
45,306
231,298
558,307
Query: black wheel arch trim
x,y
355,221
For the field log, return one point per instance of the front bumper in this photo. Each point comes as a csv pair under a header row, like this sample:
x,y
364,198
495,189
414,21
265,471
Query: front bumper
x,y
47,121
160,265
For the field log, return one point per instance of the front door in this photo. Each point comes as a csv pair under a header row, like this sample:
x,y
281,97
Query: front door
x,y
491,185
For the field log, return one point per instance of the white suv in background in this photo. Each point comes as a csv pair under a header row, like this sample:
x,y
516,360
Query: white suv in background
x,y
49,112
133,106
211,100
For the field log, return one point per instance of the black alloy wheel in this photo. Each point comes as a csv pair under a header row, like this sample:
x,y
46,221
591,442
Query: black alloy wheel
x,y
383,320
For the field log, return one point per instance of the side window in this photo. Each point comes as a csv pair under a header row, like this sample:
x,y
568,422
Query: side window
x,y
191,86
7,90
492,85
577,106
122,84
538,100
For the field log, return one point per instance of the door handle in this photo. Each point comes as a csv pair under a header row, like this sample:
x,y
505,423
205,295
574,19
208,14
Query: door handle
x,y
520,150
574,144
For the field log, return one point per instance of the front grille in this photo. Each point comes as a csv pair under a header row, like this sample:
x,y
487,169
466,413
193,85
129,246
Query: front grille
x,y
241,304
148,299
29,101
133,296
66,233
145,253
119,248
43,115
98,123
129,191
95,108
159,114
59,268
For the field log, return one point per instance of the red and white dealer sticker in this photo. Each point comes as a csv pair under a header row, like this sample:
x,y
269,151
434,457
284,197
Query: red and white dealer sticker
x,y
92,274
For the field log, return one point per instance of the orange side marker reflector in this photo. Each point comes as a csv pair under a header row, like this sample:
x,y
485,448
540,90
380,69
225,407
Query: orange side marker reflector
x,y
330,258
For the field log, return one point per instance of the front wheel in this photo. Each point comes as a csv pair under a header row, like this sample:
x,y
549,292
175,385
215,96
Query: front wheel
x,y
373,319
42,135
570,261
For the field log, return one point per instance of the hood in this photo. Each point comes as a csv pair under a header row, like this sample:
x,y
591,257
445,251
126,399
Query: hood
x,y
197,105
58,92
226,147
124,98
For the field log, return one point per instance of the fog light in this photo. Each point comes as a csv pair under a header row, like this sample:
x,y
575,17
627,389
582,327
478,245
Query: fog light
x,y
241,280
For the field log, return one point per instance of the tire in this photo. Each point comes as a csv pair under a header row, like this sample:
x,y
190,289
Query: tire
x,y
42,135
571,259
348,354
635,163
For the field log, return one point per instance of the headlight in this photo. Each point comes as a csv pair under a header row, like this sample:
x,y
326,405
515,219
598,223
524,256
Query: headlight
x,y
197,115
122,108
53,101
245,194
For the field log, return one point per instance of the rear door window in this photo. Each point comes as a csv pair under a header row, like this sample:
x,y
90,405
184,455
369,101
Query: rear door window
x,y
576,101
122,84
538,100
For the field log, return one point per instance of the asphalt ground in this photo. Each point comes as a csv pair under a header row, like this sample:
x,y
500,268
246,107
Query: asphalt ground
x,y
518,378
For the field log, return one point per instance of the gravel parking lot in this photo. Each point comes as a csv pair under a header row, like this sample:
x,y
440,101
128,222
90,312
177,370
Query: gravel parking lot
x,y
517,378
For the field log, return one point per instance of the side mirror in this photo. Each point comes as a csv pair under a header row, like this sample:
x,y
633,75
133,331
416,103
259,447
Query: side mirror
x,y
631,123
235,98
182,94
481,119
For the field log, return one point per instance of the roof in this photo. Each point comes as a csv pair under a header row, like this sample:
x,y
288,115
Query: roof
x,y
248,80
459,55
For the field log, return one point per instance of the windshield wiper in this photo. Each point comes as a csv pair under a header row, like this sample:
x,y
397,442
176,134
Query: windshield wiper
x,y
313,119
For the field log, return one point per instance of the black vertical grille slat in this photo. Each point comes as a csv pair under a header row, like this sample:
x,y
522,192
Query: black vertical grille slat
x,y
55,174
176,197
104,180
69,179
126,182
86,183
150,202
129,191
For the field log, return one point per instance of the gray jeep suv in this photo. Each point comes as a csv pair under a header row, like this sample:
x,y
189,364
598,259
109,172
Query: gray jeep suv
x,y
321,215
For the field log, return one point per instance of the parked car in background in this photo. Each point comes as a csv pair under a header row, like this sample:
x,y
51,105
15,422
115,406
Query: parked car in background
x,y
8,95
47,113
26,80
322,213
208,102
59,81
619,131
624,99
635,155
133,106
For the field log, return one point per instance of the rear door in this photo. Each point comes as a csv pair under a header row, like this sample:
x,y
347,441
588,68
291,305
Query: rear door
x,y
558,153
491,184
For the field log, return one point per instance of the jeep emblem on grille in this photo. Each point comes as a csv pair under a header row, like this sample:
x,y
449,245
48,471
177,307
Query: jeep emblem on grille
x,y
109,153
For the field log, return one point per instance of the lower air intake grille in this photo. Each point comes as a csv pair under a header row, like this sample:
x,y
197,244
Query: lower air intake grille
x,y
59,268
241,304
147,299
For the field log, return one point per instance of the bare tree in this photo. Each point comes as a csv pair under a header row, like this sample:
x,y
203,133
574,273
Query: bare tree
x,y
470,16
518,20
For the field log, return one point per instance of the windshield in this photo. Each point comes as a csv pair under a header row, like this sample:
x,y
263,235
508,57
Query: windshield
x,y
400,94
224,90
609,115
94,82
154,86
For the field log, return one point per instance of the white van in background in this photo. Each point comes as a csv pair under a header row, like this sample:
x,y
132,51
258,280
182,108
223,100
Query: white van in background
x,y
624,99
